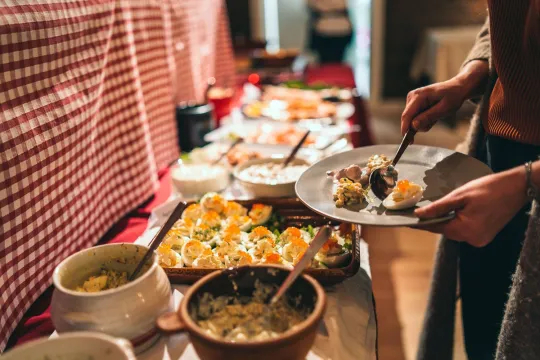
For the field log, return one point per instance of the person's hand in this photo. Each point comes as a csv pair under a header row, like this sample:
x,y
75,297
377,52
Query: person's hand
x,y
483,207
426,105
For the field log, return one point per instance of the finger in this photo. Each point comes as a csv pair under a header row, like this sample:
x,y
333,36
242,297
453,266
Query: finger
x,y
425,120
416,101
452,229
441,207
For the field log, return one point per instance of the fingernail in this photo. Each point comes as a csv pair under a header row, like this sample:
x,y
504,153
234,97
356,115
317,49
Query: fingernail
x,y
415,124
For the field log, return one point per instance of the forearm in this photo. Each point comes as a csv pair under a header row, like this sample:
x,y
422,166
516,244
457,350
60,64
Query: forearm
x,y
473,78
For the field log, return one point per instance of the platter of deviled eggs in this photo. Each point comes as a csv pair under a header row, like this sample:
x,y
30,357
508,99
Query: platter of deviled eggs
x,y
338,186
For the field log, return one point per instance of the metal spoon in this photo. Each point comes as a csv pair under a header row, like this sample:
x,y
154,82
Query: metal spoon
x,y
233,145
322,236
383,180
295,150
175,215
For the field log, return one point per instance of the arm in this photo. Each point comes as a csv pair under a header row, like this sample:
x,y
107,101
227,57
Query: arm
x,y
428,104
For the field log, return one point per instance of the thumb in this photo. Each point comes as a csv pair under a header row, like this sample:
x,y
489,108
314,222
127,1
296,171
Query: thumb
x,y
441,207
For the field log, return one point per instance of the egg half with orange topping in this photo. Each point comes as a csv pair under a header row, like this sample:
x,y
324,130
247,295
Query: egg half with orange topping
x,y
405,194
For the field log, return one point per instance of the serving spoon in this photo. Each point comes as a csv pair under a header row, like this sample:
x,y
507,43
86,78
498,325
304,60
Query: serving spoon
x,y
295,150
175,215
233,145
322,236
383,180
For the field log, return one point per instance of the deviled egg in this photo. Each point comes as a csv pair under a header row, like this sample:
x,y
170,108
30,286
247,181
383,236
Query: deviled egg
x,y
213,201
234,209
243,222
191,250
260,214
168,257
207,260
405,194
193,212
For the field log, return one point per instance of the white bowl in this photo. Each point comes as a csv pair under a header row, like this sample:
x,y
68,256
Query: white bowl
x,y
129,311
199,179
82,345
267,190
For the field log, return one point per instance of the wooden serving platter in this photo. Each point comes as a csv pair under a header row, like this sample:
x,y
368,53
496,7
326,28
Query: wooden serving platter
x,y
296,214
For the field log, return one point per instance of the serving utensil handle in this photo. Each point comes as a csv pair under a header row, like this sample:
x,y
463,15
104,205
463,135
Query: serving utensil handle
x,y
170,323
322,236
177,212
407,140
295,150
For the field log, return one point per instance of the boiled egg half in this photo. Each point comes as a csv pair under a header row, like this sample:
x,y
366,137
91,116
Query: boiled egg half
x,y
405,194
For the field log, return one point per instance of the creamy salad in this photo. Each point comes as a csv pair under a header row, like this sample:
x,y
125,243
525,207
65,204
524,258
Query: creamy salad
x,y
272,173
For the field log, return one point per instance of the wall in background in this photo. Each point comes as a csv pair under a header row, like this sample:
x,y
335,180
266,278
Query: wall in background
x,y
405,22
293,21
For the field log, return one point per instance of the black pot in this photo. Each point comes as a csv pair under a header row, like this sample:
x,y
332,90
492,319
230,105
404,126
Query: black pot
x,y
193,122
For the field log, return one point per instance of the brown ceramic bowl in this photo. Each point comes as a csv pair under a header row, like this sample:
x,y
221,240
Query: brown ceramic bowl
x,y
294,344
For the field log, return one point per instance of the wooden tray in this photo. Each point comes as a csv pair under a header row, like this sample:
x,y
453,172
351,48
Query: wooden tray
x,y
295,214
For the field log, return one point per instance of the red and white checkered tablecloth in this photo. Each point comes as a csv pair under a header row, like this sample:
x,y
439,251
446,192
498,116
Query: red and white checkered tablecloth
x,y
87,95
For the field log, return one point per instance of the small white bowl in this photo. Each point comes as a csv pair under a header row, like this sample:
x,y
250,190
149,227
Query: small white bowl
x,y
129,311
199,179
267,190
81,345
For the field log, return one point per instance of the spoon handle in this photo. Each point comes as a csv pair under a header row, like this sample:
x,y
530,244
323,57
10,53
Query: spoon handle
x,y
175,215
295,150
322,236
236,142
407,139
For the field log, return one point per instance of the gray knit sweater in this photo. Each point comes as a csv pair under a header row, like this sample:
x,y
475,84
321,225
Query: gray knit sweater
x,y
520,333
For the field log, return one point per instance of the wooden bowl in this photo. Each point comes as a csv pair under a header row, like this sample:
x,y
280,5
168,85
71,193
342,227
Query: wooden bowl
x,y
293,344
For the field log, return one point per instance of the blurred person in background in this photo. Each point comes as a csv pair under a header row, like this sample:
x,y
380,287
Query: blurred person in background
x,y
330,29
492,213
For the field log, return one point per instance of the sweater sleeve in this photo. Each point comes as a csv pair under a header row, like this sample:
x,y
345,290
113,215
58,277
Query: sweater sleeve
x,y
482,46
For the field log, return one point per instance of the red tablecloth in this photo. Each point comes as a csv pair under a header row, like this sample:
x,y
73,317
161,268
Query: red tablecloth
x,y
87,96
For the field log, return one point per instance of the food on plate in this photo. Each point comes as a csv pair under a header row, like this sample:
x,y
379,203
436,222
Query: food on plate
x,y
348,192
193,212
271,173
288,135
405,194
191,250
107,279
217,240
234,209
353,181
199,178
213,201
168,257
260,214
247,318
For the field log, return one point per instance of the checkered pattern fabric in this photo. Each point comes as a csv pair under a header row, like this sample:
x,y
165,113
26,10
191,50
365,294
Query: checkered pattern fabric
x,y
87,95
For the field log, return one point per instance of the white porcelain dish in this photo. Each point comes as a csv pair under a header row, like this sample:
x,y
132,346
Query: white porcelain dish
x,y
129,311
267,190
74,346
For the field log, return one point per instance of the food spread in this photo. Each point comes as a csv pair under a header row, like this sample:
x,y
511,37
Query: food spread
x,y
216,233
247,318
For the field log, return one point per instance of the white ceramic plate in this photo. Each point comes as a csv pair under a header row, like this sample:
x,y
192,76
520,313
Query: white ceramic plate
x,y
438,170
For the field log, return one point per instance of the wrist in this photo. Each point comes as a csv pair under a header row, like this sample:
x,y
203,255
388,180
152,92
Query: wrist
x,y
472,78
